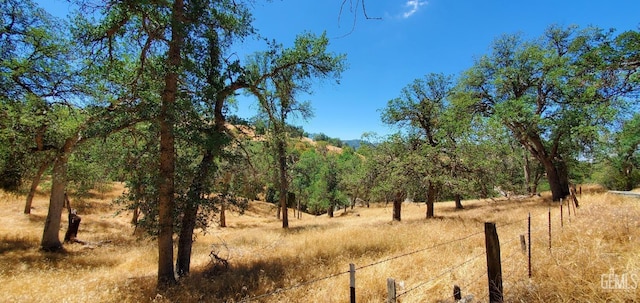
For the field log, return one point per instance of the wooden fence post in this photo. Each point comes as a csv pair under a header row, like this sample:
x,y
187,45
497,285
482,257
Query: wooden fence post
x,y
352,282
494,267
391,290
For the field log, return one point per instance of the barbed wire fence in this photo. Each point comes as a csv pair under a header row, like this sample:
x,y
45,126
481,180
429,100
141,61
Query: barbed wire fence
x,y
518,248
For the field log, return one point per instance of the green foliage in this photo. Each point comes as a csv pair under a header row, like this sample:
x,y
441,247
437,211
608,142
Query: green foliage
x,y
36,70
87,168
321,137
555,94
619,162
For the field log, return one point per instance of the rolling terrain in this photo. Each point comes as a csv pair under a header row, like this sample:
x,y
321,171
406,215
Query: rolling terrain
x,y
590,253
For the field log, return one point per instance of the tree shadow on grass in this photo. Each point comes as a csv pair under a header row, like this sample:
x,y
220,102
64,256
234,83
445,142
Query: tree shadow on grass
x,y
16,243
18,255
257,281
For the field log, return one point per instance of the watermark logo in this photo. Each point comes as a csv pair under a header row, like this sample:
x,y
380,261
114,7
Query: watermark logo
x,y
622,281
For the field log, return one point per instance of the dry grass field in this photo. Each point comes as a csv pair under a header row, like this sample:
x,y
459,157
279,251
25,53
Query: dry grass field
x,y
595,256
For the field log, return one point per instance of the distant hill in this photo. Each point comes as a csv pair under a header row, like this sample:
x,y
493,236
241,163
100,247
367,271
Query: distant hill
x,y
354,143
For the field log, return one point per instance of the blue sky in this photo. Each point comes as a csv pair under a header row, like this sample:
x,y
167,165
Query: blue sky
x,y
413,38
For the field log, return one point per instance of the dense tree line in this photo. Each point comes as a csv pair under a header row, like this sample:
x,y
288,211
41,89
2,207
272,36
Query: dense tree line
x,y
141,93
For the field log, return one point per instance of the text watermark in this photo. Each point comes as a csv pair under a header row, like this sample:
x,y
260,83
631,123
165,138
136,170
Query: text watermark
x,y
621,281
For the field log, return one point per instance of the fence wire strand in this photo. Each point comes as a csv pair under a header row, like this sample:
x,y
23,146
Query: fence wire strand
x,y
474,280
451,269
510,223
470,282
420,250
280,290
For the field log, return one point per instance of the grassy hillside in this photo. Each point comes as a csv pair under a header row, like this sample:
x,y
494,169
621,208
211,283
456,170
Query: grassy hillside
x,y
309,262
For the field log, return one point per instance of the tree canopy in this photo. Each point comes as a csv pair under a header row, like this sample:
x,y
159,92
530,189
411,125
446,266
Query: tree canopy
x,y
143,93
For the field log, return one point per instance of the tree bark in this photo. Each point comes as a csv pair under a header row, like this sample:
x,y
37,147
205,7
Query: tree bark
x,y
431,199
299,215
458,199
50,236
284,188
223,218
166,186
34,186
557,180
194,196
330,209
628,177
189,216
355,198
397,206
527,174
554,166
563,176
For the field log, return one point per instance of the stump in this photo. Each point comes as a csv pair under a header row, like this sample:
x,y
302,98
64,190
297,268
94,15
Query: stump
x,y
74,225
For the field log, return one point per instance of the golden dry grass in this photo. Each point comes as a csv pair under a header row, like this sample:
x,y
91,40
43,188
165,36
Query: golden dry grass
x,y
309,262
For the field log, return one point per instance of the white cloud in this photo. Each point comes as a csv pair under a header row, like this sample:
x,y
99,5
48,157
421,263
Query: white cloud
x,y
413,6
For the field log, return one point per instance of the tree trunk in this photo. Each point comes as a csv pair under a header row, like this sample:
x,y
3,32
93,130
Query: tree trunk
x,y
431,199
527,174
397,206
330,210
628,177
135,216
223,218
355,198
291,201
50,236
166,186
458,199
563,176
284,186
185,240
194,196
555,182
299,215
34,186
165,199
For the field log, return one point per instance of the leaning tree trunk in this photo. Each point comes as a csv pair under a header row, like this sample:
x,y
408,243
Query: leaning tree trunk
x,y
185,240
195,194
50,237
34,186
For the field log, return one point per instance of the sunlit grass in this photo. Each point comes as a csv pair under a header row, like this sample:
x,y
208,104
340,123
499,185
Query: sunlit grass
x,y
309,262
